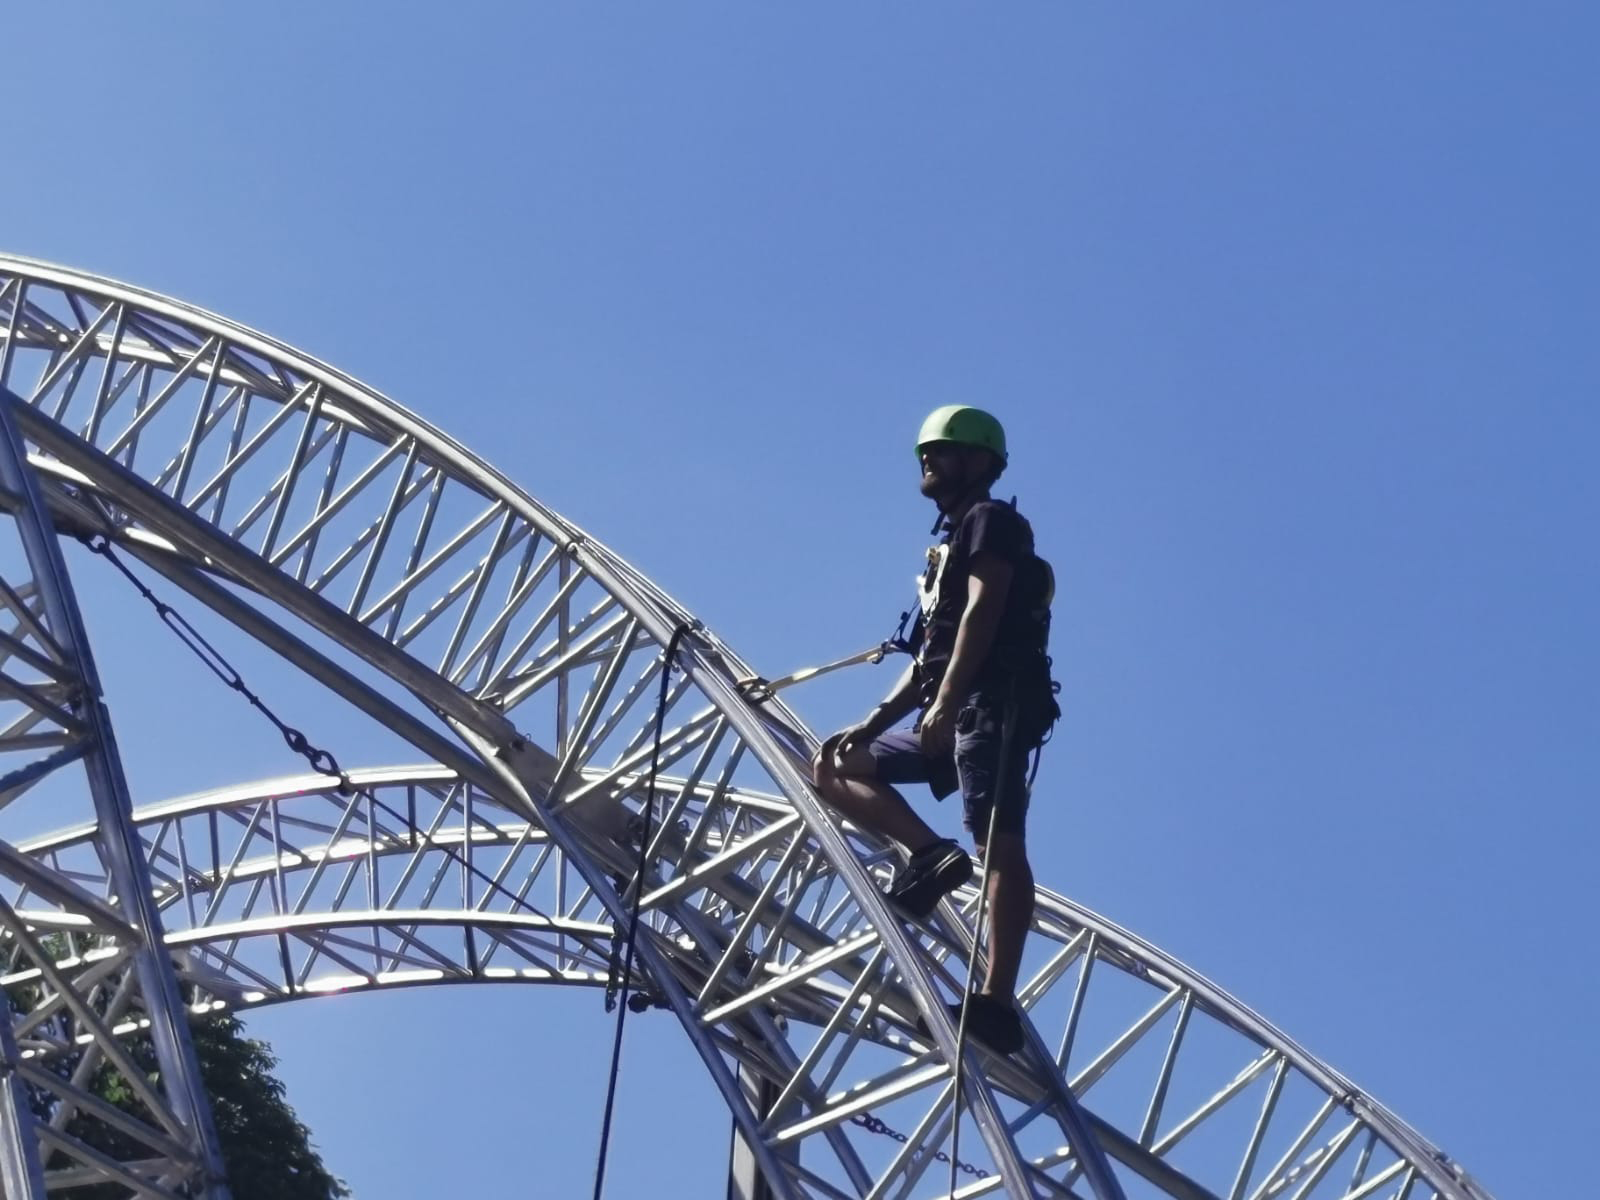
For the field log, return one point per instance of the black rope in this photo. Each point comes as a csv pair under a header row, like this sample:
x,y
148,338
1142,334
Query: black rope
x,y
1008,730
621,1002
972,964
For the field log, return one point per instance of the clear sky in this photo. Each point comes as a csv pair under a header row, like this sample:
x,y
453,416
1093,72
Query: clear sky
x,y
1290,311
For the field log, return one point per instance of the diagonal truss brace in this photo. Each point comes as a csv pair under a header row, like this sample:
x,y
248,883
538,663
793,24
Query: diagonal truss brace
x,y
132,922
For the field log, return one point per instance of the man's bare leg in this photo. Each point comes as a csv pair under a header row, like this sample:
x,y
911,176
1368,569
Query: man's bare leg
x,y
1010,913
849,787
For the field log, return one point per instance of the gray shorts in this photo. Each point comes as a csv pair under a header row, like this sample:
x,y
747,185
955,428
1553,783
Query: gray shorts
x,y
974,767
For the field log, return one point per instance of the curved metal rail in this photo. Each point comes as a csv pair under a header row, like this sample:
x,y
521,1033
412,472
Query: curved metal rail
x,y
421,587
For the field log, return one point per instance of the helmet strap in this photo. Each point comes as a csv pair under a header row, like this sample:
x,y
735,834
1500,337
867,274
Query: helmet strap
x,y
943,519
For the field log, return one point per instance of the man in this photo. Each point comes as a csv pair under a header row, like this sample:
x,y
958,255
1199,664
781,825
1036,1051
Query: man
x,y
980,670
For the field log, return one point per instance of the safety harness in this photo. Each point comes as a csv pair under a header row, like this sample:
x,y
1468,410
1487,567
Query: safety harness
x,y
1030,690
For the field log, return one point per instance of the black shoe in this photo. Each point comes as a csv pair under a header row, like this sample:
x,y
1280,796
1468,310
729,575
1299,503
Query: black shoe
x,y
990,1022
932,872
993,1022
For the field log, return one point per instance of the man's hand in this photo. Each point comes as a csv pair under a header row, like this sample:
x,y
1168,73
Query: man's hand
x,y
859,734
837,746
938,735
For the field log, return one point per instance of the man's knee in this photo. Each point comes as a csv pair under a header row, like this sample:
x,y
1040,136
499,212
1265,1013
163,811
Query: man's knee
x,y
821,772
829,771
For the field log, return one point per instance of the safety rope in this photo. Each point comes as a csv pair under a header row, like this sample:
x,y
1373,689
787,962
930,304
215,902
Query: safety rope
x,y
758,690
620,1003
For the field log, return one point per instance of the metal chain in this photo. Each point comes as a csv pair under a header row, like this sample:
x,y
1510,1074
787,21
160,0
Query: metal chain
x,y
322,761
874,1124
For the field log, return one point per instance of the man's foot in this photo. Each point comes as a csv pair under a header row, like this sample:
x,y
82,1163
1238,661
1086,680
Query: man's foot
x,y
990,1022
993,1022
932,872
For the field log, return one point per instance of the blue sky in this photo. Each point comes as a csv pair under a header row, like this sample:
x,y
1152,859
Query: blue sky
x,y
1290,314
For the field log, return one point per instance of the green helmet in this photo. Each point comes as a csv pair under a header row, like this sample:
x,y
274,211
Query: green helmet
x,y
965,425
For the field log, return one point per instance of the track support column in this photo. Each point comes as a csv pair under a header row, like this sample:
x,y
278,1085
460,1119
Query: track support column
x,y
745,1181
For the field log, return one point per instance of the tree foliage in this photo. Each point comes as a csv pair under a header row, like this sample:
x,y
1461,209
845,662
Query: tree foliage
x,y
266,1150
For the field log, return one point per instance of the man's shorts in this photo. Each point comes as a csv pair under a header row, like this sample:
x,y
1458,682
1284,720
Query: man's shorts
x,y
974,767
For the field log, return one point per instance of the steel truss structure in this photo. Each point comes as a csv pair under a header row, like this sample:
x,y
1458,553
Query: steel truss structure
x,y
417,585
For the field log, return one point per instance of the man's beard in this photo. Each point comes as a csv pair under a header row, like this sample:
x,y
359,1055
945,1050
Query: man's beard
x,y
942,489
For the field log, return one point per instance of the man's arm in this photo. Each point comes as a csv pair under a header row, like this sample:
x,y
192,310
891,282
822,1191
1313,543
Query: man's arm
x,y
987,588
898,704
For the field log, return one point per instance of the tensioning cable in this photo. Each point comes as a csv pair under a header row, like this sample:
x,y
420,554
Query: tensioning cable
x,y
321,761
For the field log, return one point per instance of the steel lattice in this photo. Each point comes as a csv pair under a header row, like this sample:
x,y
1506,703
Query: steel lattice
x,y
309,511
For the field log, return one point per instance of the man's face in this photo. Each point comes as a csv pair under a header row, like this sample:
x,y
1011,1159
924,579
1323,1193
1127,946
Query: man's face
x,y
948,469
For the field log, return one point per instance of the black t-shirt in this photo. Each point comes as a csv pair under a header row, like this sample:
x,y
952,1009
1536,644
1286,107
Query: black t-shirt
x,y
989,527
